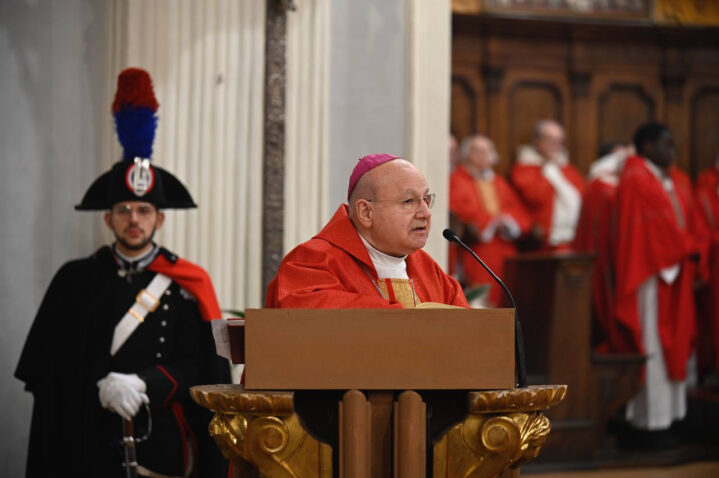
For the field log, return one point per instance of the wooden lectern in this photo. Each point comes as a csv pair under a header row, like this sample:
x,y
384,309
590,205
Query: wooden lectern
x,y
377,393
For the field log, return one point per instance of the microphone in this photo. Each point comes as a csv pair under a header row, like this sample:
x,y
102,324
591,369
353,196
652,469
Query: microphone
x,y
520,366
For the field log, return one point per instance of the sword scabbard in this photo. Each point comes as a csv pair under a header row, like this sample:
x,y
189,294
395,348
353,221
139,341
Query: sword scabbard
x,y
128,443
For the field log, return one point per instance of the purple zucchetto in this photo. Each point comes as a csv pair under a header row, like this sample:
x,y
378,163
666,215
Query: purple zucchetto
x,y
364,165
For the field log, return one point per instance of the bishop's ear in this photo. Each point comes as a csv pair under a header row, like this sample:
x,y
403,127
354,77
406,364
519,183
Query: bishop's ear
x,y
363,212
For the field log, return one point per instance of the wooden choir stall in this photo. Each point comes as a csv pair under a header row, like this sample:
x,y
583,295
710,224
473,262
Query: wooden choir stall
x,y
376,393
553,293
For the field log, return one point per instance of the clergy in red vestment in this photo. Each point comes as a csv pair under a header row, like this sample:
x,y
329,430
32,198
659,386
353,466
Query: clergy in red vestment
x,y
549,186
490,210
707,195
369,255
655,270
596,233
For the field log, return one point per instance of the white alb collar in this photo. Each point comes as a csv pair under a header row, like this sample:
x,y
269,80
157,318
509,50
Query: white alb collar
x,y
387,267
529,156
666,181
486,175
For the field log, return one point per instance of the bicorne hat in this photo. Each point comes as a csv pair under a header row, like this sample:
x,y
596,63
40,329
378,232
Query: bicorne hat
x,y
134,178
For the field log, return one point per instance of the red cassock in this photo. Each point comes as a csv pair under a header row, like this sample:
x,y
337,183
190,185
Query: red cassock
x,y
333,270
537,193
465,201
596,233
650,238
707,194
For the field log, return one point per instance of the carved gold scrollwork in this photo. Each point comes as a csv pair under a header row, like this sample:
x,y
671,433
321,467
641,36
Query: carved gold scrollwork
x,y
227,398
534,429
277,447
229,432
260,429
504,429
498,435
484,445
522,399
266,443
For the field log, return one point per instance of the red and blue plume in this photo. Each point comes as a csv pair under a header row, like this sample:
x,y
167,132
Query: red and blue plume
x,y
135,110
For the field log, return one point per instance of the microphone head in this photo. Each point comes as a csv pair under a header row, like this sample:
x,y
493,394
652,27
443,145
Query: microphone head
x,y
450,235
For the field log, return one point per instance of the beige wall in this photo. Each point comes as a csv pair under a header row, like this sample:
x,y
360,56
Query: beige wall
x,y
53,104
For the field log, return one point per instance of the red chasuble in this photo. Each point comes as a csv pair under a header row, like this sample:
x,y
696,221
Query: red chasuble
x,y
537,193
596,233
707,194
466,202
333,270
651,236
194,280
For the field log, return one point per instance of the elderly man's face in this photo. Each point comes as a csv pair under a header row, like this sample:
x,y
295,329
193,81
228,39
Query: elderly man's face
x,y
551,141
481,154
401,219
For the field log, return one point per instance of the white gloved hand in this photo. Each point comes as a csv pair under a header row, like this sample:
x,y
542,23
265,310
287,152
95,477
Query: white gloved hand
x,y
511,230
489,231
122,393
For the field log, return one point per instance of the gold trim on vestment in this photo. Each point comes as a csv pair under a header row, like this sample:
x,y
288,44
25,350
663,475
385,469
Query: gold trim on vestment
x,y
403,292
488,193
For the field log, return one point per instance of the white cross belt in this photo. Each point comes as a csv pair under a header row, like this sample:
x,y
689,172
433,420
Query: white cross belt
x,y
146,301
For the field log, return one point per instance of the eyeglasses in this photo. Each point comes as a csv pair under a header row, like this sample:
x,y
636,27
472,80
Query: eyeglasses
x,y
125,210
411,204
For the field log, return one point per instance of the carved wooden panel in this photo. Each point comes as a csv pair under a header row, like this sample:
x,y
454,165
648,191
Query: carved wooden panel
x,y
705,129
601,81
622,108
529,102
464,108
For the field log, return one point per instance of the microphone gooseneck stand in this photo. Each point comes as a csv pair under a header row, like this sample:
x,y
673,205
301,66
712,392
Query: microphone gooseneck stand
x,y
520,365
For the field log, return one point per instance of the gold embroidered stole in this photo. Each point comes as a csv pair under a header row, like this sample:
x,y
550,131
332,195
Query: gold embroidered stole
x,y
488,193
399,290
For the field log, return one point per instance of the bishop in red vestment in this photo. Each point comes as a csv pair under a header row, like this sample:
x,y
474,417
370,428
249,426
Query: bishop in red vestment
x,y
489,209
550,187
655,272
369,254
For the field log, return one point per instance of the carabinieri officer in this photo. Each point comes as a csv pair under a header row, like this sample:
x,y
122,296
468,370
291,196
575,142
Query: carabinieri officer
x,y
124,333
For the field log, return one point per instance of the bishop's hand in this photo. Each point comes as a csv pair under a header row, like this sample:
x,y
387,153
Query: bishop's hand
x,y
122,393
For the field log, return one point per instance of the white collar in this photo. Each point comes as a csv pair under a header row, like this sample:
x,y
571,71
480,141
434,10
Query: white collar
x,y
666,181
529,156
609,165
486,175
387,267
137,259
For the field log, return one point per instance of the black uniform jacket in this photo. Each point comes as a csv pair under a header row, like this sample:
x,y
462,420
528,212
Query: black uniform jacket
x,y
68,351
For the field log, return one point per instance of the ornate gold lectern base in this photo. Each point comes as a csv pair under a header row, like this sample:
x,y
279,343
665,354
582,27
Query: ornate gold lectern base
x,y
504,429
259,430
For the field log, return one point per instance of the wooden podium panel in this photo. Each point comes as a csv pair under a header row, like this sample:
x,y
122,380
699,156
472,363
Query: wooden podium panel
x,y
379,349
